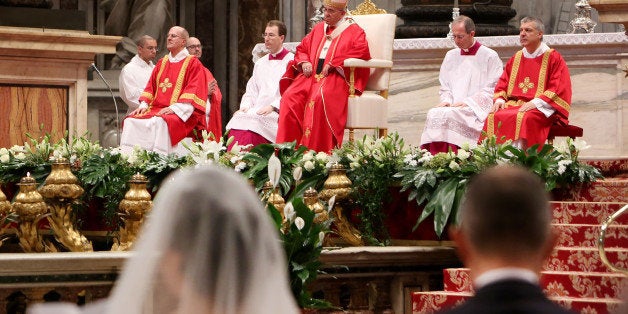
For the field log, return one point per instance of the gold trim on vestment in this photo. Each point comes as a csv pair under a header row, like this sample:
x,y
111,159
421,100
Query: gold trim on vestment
x,y
161,71
148,95
500,94
520,115
194,98
514,72
177,89
559,101
542,74
490,125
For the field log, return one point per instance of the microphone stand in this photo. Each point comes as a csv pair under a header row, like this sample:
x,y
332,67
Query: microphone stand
x,y
115,104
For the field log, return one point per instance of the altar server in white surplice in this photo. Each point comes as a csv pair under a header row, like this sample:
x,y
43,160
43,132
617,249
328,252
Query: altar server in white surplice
x,y
467,76
256,121
135,74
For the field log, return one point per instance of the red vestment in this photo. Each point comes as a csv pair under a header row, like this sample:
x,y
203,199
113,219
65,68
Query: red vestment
x,y
180,82
545,77
215,108
313,110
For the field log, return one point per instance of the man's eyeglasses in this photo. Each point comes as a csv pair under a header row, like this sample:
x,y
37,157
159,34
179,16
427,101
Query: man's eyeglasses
x,y
195,47
269,35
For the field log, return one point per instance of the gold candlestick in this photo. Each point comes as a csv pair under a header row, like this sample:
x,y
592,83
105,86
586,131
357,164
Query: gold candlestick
x,y
272,196
310,198
60,191
136,204
30,207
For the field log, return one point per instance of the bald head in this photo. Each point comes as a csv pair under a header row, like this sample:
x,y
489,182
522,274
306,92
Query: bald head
x,y
194,47
177,39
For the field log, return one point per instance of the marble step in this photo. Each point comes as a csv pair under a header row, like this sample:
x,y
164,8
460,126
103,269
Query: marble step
x,y
593,213
430,302
585,235
555,283
585,259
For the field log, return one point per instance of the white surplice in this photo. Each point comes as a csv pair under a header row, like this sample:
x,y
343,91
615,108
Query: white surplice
x,y
469,79
132,81
262,90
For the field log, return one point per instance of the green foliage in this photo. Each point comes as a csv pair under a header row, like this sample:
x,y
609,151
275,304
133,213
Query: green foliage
x,y
373,163
303,243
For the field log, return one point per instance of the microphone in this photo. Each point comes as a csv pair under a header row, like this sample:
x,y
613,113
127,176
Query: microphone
x,y
115,104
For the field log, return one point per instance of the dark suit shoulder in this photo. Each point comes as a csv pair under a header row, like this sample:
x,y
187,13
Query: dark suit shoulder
x,y
509,296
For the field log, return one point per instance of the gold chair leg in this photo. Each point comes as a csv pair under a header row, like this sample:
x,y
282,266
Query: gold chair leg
x,y
351,135
383,132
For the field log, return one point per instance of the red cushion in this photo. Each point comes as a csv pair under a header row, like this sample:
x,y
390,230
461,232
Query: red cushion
x,y
564,131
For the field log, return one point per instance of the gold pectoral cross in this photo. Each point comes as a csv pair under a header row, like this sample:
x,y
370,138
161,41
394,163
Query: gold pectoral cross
x,y
165,85
526,85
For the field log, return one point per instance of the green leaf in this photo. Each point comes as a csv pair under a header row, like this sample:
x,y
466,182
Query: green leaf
x,y
441,203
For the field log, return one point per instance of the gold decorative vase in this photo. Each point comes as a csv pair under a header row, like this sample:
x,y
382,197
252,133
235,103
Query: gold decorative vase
x,y
338,184
61,190
136,204
5,212
29,206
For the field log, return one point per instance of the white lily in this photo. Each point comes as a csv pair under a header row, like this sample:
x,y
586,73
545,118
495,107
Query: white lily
x,y
297,173
289,212
299,222
274,170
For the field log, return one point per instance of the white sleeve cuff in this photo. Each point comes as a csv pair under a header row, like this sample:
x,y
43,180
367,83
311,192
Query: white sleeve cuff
x,y
543,107
143,105
183,110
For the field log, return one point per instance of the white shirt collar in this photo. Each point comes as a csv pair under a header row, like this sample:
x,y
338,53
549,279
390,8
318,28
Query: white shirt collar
x,y
500,274
137,60
180,56
539,51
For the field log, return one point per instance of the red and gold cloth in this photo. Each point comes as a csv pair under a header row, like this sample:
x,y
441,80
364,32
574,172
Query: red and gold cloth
x,y
313,109
180,82
545,77
215,109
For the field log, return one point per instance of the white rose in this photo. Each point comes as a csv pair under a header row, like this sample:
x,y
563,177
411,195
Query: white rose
x,y
4,158
308,156
322,156
454,165
4,151
463,154
308,165
20,156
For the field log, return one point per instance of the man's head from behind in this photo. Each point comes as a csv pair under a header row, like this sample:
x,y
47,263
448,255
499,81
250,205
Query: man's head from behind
x,y
194,47
463,30
146,48
177,39
505,220
274,35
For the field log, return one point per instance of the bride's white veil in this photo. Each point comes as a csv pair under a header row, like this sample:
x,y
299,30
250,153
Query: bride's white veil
x,y
208,246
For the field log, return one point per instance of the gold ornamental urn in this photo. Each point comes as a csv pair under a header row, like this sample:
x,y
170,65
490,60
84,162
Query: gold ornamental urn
x,y
29,206
60,190
339,184
136,204
5,212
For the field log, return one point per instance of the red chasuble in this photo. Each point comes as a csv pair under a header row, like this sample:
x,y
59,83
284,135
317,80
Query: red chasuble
x,y
545,77
313,110
215,110
182,82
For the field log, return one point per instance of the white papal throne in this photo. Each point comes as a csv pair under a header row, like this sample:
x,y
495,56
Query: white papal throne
x,y
370,110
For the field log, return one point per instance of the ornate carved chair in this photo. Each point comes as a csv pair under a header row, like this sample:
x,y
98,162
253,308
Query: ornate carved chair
x,y
370,110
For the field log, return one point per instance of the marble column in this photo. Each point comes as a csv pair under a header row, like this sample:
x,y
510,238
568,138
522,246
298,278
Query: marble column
x,y
430,18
